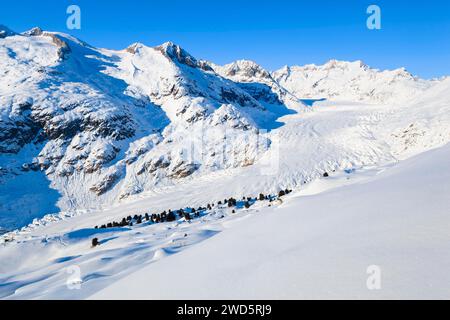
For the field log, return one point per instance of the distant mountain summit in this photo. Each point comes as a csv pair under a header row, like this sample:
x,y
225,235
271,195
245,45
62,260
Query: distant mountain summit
x,y
352,81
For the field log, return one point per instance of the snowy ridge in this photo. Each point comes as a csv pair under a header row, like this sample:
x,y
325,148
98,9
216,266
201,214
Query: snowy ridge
x,y
351,81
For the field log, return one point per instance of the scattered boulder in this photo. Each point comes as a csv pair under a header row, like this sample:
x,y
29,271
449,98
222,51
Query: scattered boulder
x,y
105,184
95,242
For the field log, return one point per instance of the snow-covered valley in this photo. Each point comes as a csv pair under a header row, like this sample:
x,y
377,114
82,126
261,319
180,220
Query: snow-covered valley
x,y
316,243
321,242
90,136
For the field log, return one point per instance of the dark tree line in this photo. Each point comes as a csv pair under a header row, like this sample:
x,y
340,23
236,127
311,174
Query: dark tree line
x,y
188,214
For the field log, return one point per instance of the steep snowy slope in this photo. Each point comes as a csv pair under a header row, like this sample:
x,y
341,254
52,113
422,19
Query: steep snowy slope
x,y
351,81
321,246
317,243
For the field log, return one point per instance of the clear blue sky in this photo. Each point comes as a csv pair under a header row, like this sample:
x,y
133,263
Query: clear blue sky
x,y
414,34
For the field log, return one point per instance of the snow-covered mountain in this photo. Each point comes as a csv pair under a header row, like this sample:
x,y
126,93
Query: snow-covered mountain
x,y
351,81
103,125
83,127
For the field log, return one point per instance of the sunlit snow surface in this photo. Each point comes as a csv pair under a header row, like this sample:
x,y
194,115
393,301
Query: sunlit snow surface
x,y
321,245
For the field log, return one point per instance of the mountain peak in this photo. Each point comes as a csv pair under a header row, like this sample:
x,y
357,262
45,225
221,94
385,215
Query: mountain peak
x,y
175,52
244,69
178,55
134,48
345,64
244,64
169,45
36,31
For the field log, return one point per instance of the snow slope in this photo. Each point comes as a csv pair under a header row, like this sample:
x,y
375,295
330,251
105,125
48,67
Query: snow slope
x,y
317,243
321,245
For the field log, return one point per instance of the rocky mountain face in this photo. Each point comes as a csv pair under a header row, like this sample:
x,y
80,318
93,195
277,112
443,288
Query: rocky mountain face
x,y
103,125
98,126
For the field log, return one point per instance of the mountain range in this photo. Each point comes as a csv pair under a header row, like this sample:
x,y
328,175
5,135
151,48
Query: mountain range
x,y
84,127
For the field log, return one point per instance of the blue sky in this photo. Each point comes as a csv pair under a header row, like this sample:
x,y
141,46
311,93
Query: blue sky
x,y
414,34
